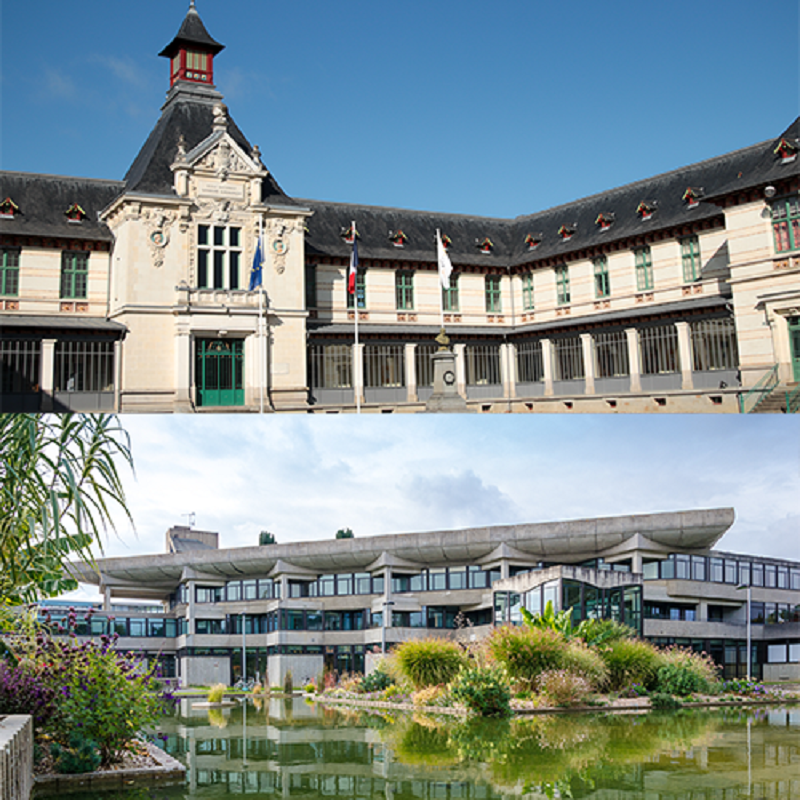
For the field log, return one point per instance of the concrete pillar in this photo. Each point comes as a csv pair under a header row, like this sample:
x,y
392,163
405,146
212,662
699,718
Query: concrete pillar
x,y
634,362
507,370
587,344
184,379
106,590
461,368
637,562
358,371
685,352
411,372
505,570
47,373
548,366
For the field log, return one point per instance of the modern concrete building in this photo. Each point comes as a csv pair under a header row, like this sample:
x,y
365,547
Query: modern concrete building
x,y
680,292
332,605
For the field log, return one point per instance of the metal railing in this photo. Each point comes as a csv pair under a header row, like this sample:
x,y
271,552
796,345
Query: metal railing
x,y
793,401
749,401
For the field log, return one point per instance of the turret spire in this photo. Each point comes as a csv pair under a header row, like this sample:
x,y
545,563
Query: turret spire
x,y
192,51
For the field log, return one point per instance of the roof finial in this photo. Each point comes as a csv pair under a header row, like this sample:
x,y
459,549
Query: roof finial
x,y
191,5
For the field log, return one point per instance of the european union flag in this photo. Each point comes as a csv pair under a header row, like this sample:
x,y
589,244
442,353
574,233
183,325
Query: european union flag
x,y
255,272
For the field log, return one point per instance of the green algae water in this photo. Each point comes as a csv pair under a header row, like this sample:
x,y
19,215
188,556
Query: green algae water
x,y
295,749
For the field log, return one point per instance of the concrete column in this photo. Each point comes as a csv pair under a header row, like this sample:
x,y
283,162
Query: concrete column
x,y
634,362
637,562
461,368
549,366
411,372
106,590
685,352
184,378
702,611
358,371
587,344
507,370
505,570
47,373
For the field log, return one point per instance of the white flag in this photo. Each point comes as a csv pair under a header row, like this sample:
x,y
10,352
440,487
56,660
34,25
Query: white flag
x,y
445,267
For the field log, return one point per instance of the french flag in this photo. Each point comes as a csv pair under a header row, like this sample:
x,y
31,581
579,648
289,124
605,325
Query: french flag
x,y
351,275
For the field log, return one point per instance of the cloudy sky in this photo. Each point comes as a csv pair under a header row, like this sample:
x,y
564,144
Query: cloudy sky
x,y
494,109
304,477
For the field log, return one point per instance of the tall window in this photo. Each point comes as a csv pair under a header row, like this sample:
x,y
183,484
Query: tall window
x,y
494,303
219,254
361,290
527,291
74,275
562,285
450,295
602,285
690,257
9,271
644,269
786,223
311,285
404,290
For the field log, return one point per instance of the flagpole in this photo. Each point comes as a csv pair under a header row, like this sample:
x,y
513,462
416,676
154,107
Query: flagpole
x,y
262,355
357,359
441,288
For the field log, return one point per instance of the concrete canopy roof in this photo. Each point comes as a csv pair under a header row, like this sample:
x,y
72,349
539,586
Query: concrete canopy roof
x,y
568,541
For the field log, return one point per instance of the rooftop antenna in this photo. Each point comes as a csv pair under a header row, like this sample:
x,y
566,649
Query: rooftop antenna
x,y
189,518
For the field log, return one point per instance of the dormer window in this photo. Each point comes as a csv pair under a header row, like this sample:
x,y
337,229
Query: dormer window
x,y
75,213
8,208
646,209
604,221
349,234
397,238
692,197
485,246
786,151
566,232
533,240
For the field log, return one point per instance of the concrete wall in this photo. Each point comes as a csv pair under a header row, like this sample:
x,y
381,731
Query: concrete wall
x,y
16,757
303,669
205,670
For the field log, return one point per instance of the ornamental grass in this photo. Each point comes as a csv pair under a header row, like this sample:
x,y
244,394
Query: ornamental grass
x,y
428,662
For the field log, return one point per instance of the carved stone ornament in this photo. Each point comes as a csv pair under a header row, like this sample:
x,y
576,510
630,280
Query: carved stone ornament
x,y
157,225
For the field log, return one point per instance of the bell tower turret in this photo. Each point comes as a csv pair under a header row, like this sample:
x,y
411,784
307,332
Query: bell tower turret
x,y
191,52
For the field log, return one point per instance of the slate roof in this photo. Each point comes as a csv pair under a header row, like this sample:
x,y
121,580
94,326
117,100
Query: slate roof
x,y
192,32
75,325
188,111
44,199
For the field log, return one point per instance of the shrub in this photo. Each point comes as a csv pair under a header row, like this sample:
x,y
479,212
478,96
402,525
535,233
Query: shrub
x,y
23,692
683,672
664,702
562,687
744,687
430,696
630,661
428,662
595,631
288,682
378,680
79,756
483,690
216,693
586,663
527,652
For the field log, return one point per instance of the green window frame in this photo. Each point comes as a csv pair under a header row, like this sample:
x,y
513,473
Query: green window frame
x,y
527,291
361,290
450,300
644,269
9,272
74,275
602,284
563,294
690,258
492,293
219,256
786,224
404,289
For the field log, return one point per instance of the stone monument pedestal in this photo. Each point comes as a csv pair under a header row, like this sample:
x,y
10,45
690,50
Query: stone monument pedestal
x,y
445,398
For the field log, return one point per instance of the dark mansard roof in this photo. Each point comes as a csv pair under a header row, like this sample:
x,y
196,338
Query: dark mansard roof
x,y
192,32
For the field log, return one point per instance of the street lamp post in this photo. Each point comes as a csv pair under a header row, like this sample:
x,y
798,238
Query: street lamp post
x,y
749,596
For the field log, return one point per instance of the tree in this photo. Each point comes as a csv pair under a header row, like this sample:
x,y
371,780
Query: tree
x,y
59,491
265,537
344,533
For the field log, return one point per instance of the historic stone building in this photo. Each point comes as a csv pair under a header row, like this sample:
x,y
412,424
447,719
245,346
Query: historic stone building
x,y
312,606
679,292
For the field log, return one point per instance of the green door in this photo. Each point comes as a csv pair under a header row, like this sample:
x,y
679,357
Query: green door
x,y
794,345
220,366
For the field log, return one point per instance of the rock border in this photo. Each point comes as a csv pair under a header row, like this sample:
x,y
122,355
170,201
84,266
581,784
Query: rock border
x,y
168,772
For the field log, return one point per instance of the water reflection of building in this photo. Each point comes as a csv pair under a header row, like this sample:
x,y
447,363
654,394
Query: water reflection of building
x,y
330,605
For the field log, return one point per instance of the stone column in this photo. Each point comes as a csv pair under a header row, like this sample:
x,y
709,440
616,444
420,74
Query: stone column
x,y
548,366
358,371
508,370
461,369
47,373
184,378
685,352
634,362
411,372
587,344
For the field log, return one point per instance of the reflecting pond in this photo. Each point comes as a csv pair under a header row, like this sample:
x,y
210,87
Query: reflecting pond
x,y
292,748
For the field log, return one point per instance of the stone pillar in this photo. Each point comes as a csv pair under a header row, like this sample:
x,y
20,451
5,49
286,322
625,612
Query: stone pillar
x,y
445,396
47,373
685,352
106,591
358,371
461,369
411,372
548,366
184,378
508,370
587,344
634,362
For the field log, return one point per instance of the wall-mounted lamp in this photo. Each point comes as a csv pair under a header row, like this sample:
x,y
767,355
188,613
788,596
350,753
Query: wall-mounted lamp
x,y
769,192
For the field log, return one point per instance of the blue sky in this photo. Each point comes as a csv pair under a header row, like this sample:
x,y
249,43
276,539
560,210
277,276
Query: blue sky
x,y
452,106
304,477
